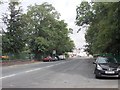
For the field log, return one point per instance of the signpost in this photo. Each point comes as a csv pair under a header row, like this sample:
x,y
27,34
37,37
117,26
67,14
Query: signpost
x,y
54,52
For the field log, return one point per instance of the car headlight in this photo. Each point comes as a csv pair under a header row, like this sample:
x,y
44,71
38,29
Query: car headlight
x,y
118,69
99,67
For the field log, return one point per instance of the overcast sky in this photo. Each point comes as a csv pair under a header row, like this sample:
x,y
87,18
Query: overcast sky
x,y
67,9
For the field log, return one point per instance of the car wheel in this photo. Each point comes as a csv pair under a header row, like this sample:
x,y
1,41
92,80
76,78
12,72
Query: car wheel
x,y
96,76
118,76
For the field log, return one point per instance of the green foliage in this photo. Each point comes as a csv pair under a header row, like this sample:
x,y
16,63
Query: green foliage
x,y
45,31
13,38
103,34
84,14
38,32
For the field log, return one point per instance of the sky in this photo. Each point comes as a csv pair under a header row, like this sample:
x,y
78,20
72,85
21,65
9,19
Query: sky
x,y
67,9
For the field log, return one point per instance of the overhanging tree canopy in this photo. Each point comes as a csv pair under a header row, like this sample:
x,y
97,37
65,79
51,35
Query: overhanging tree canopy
x,y
103,34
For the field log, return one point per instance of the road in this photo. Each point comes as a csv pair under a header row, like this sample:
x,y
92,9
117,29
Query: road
x,y
73,73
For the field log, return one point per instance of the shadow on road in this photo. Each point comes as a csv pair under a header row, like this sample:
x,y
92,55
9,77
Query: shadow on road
x,y
109,78
81,67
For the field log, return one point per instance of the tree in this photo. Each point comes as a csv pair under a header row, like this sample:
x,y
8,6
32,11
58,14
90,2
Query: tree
x,y
45,31
103,33
13,37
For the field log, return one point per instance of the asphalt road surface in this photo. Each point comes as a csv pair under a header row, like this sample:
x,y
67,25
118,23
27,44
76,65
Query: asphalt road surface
x,y
72,73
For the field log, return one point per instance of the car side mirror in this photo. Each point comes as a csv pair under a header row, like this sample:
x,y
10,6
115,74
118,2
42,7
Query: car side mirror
x,y
94,62
118,63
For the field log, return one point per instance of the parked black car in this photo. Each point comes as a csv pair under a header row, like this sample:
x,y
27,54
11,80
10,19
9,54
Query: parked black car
x,y
106,67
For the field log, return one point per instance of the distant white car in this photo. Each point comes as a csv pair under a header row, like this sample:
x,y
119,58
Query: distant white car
x,y
54,58
61,57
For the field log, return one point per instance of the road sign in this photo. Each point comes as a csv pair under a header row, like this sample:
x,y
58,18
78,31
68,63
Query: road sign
x,y
54,51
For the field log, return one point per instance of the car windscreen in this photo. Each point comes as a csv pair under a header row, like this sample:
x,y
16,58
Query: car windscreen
x,y
106,60
111,60
101,60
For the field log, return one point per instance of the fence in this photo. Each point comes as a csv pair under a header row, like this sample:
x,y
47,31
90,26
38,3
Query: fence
x,y
117,56
21,56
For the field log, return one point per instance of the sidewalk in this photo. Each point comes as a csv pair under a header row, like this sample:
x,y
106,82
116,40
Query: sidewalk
x,y
10,63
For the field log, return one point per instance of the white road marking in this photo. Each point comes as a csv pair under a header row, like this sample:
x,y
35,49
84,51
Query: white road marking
x,y
42,68
30,71
8,76
33,70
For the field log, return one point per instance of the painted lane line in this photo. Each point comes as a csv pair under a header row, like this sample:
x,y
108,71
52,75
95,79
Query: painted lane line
x,y
41,68
30,71
8,76
33,70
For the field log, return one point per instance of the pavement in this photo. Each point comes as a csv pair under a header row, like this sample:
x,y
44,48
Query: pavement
x,y
16,62
71,73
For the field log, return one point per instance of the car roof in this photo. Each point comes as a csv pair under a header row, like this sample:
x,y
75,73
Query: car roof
x,y
105,57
